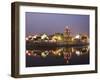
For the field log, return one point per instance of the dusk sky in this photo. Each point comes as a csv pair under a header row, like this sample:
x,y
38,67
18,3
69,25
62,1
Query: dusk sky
x,y
50,23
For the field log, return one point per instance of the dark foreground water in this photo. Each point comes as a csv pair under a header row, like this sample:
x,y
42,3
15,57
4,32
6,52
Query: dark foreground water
x,y
57,56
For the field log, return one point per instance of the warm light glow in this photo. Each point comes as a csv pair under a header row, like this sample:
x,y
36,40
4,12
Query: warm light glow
x,y
56,38
44,36
78,53
73,50
30,36
29,54
35,36
43,54
77,36
26,39
26,51
59,38
54,52
72,39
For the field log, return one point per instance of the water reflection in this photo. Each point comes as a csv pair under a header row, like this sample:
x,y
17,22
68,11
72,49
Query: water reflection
x,y
57,56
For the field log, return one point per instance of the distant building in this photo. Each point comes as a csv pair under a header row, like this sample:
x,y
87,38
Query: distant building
x,y
57,37
81,38
77,38
44,37
84,38
67,34
36,37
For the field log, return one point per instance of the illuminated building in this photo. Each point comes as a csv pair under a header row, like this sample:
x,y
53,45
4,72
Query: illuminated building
x,y
44,54
36,37
29,37
44,37
67,34
77,36
57,37
64,37
84,38
81,38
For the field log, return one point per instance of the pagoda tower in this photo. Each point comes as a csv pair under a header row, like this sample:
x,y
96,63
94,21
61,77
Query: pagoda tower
x,y
66,32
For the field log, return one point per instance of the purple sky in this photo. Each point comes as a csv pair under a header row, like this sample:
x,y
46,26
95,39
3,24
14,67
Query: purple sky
x,y
50,23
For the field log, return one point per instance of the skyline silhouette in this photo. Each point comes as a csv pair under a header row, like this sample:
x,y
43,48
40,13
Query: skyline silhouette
x,y
50,23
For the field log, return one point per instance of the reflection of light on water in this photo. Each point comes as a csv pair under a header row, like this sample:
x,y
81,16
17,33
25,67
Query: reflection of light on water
x,y
28,53
57,52
34,54
43,54
67,56
81,51
66,53
73,50
88,48
54,52
78,53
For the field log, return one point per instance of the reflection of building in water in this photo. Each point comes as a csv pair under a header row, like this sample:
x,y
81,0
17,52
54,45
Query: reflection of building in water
x,y
81,50
67,53
60,52
57,52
